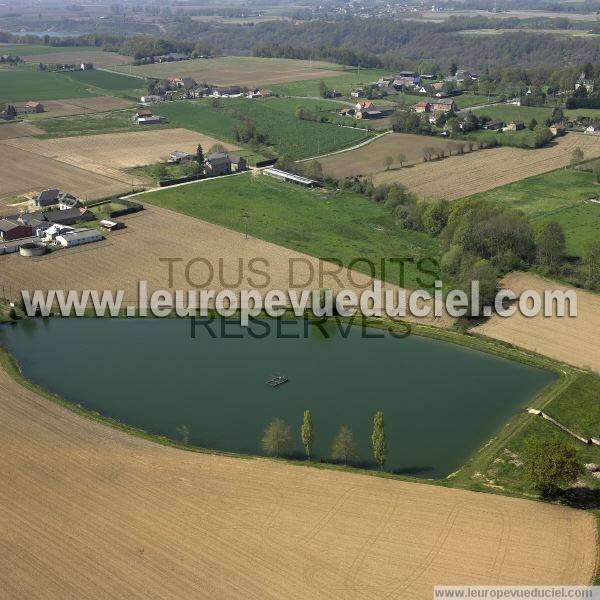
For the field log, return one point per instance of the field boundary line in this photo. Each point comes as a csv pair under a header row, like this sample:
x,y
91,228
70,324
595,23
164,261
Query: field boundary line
x,y
360,145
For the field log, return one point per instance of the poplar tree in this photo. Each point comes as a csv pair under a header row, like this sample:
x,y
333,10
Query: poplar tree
x,y
306,432
378,439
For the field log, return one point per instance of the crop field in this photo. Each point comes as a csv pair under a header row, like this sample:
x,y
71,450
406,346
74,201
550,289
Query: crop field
x,y
370,158
83,122
562,196
274,117
24,85
22,172
483,170
107,154
80,106
569,339
20,129
173,524
238,70
343,226
509,112
106,80
77,56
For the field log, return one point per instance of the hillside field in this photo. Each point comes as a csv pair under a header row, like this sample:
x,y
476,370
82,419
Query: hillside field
x,y
510,112
274,117
238,70
106,80
562,196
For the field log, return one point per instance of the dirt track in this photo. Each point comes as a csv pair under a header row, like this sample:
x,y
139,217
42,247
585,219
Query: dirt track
x,y
482,170
89,512
572,340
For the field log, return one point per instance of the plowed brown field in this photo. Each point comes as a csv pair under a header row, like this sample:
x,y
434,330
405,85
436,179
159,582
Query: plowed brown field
x,y
89,512
479,171
573,340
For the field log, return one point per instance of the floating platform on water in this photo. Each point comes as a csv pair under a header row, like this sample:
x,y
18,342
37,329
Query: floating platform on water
x,y
277,380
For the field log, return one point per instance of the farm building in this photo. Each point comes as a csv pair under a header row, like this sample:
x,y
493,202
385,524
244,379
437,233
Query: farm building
x,y
594,129
34,107
151,120
55,230
514,126
422,107
88,66
178,156
171,56
357,93
238,163
151,99
51,197
78,237
111,225
69,216
558,129
13,230
218,163
290,177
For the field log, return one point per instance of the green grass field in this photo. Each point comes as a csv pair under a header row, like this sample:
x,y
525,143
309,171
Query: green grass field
x,y
344,83
577,407
24,85
558,196
343,225
509,112
107,81
111,122
524,138
274,117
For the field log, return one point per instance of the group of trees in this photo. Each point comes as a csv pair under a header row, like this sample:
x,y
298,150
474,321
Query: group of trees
x,y
277,440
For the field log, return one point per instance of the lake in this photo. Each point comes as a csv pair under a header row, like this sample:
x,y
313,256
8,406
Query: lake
x,y
441,402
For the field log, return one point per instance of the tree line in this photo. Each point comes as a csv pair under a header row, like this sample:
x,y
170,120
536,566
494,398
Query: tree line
x,y
277,440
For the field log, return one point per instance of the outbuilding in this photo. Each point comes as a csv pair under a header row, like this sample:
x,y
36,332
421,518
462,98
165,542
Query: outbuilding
x,y
78,237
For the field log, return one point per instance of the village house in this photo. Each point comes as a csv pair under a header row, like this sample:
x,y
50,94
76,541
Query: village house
x,y
181,82
558,129
151,99
584,82
594,129
444,106
218,163
422,107
357,93
406,82
265,92
88,66
34,107
514,126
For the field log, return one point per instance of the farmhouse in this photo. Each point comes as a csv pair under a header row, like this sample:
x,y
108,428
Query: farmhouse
x,y
52,197
443,106
55,230
290,177
357,93
151,99
558,129
34,107
171,56
88,66
182,82
218,163
422,107
78,237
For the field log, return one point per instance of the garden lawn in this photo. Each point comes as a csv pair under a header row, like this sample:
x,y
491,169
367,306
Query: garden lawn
x,y
327,225
274,117
562,196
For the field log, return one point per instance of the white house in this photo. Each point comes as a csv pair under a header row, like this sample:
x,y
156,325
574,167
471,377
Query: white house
x,y
595,129
52,232
78,237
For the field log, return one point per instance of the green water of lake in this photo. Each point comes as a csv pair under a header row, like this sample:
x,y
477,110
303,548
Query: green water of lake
x,y
441,402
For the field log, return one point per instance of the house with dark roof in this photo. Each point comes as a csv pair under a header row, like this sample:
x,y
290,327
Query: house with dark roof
x,y
13,230
238,163
69,216
218,163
